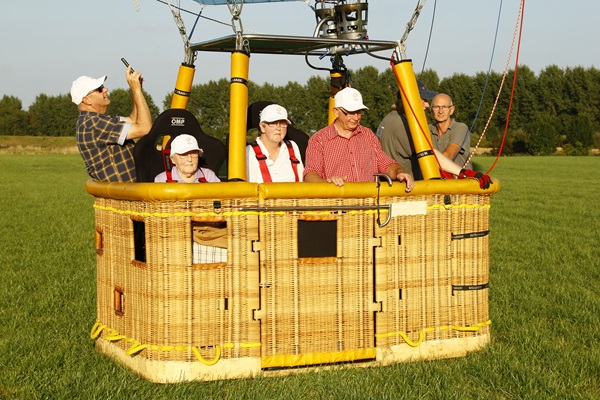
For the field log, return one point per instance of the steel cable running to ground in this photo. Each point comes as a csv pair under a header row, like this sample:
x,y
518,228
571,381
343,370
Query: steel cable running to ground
x,y
429,38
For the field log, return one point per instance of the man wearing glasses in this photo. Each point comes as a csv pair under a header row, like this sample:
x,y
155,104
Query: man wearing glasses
x,y
345,151
448,136
106,143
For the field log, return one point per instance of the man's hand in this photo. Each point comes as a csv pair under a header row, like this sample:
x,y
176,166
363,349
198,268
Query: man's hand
x,y
484,180
406,177
396,172
337,180
134,79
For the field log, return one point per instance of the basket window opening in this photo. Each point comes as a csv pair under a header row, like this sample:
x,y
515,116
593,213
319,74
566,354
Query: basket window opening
x,y
139,240
209,242
317,239
99,241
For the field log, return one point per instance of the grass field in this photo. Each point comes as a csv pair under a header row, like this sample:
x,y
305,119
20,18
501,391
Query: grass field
x,y
544,298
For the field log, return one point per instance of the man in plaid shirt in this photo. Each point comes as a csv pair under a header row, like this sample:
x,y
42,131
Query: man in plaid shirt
x,y
345,151
106,143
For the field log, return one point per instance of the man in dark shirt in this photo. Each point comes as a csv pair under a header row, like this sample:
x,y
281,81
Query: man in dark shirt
x,y
106,143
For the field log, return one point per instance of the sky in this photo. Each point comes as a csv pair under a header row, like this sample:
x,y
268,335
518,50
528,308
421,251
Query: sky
x,y
47,44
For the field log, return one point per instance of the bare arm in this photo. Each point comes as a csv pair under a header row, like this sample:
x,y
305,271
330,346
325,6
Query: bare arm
x,y
140,118
446,163
451,150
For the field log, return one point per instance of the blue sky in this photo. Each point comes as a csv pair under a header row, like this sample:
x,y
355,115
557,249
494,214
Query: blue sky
x,y
46,45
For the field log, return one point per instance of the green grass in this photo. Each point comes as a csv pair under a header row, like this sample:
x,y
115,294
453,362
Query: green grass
x,y
544,298
37,145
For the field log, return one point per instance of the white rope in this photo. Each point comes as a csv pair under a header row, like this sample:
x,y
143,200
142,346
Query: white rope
x,y
506,68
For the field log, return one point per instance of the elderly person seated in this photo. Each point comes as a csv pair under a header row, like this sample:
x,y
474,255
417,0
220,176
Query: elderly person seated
x,y
210,237
185,154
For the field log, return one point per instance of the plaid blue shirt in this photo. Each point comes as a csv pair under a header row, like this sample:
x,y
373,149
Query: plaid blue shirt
x,y
107,156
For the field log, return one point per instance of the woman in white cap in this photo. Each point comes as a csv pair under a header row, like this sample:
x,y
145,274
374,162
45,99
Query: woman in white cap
x,y
185,154
273,158
209,238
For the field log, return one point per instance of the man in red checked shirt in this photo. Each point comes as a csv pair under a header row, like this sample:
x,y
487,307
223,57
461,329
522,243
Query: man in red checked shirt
x,y
345,151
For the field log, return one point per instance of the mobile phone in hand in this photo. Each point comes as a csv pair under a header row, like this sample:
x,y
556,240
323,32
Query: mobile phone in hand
x,y
127,64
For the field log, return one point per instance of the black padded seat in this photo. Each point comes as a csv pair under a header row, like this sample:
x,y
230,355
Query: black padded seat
x,y
148,154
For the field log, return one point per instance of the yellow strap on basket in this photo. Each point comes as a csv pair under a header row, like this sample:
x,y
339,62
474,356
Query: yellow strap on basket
x,y
203,361
472,328
114,337
410,342
97,330
135,348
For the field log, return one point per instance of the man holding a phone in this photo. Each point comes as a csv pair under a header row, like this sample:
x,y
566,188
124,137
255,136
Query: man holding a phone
x,y
105,142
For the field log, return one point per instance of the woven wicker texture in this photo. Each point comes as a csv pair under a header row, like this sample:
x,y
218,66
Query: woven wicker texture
x,y
418,264
316,305
422,277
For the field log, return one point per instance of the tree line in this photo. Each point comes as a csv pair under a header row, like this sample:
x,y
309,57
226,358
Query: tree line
x,y
556,108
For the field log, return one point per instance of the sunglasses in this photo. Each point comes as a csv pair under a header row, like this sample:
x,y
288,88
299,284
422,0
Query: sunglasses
x,y
99,90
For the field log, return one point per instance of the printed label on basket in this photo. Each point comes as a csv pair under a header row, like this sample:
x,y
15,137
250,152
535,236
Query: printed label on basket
x,y
409,208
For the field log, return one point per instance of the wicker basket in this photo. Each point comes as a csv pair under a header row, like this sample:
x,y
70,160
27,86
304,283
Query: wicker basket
x,y
311,279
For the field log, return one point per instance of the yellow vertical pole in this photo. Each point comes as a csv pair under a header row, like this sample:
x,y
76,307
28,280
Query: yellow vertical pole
x,y
334,77
417,121
238,109
183,86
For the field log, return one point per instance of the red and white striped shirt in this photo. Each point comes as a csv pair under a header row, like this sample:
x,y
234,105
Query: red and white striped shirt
x,y
355,159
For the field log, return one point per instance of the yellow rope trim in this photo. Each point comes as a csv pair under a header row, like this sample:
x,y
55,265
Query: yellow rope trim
x,y
203,361
265,213
404,335
136,346
96,330
451,206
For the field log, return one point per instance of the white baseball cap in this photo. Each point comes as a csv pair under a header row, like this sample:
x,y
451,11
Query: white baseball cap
x,y
183,144
274,112
349,99
83,85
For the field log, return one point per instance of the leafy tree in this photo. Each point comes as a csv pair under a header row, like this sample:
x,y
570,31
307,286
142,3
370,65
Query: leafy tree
x,y
265,92
541,136
525,103
317,95
10,103
557,108
15,121
294,100
57,115
121,103
576,149
210,103
549,91
374,94
579,130
429,78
